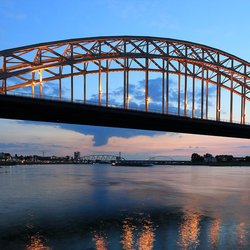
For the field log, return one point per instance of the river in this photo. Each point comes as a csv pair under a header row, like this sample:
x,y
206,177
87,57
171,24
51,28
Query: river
x,y
102,207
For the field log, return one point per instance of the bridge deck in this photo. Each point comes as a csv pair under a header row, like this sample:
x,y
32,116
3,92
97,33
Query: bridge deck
x,y
23,108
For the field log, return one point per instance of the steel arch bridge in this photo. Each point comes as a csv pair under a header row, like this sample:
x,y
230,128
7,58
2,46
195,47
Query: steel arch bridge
x,y
207,83
100,158
160,158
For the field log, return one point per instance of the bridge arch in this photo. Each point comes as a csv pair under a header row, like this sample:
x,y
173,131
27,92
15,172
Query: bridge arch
x,y
197,70
161,158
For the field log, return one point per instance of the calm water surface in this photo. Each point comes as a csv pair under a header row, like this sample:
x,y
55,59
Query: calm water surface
x,y
103,207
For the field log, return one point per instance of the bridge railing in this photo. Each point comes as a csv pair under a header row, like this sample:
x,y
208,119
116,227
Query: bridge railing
x,y
116,105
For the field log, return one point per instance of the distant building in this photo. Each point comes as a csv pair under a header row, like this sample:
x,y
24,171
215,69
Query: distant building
x,y
5,156
77,155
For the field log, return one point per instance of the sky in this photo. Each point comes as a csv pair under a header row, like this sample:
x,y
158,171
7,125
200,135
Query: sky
x,y
223,24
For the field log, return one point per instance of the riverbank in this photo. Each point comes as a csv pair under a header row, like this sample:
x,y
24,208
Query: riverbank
x,y
13,163
134,163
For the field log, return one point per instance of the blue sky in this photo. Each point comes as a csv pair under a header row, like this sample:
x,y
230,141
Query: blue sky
x,y
221,24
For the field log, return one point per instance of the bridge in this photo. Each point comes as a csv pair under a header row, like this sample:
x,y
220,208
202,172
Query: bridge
x,y
100,158
108,159
128,81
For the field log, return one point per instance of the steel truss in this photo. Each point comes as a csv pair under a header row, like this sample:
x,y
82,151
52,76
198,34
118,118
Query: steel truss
x,y
102,158
42,63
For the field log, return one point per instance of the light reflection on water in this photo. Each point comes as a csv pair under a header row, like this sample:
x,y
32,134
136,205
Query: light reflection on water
x,y
37,242
214,232
127,235
105,208
147,235
100,242
189,230
132,237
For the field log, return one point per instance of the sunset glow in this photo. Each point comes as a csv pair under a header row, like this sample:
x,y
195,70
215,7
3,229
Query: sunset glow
x,y
56,140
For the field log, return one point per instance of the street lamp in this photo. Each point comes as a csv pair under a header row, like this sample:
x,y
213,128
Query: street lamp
x,y
128,100
148,99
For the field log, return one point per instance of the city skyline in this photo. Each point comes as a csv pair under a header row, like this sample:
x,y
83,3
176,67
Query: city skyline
x,y
111,17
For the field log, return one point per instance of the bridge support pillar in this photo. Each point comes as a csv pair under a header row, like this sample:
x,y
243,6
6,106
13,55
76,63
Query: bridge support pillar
x,y
163,87
72,75
3,90
243,105
126,85
72,84
218,99
60,84
193,92
243,98
207,95
84,82
185,92
231,98
167,86
40,90
100,84
33,90
146,87
179,88
107,83
33,85
40,72
202,94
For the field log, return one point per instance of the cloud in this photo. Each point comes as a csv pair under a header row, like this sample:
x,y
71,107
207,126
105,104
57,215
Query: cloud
x,y
21,137
173,145
99,134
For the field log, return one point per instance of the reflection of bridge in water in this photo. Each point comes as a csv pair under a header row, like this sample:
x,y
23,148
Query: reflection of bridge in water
x,y
200,90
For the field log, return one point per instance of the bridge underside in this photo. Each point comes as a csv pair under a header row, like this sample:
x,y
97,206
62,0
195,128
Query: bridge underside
x,y
75,113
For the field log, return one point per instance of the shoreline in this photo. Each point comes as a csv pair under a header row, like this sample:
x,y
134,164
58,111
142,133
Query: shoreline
x,y
175,163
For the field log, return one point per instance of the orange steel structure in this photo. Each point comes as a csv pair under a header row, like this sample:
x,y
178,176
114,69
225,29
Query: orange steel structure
x,y
192,63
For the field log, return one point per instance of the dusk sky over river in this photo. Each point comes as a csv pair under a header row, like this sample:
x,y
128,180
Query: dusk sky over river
x,y
209,23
